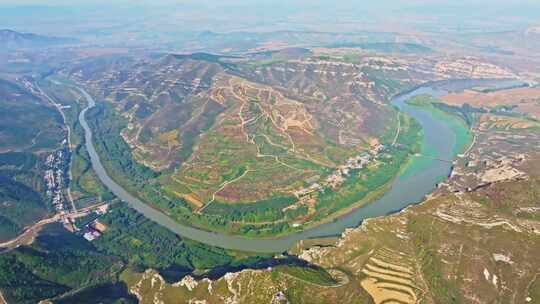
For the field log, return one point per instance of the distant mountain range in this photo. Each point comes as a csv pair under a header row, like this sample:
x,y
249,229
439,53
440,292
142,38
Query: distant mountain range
x,y
533,30
385,47
10,39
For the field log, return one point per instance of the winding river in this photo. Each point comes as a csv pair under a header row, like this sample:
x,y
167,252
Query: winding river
x,y
411,186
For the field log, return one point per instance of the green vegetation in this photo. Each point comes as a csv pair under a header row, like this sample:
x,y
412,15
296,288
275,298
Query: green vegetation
x,y
466,112
267,210
383,82
21,191
368,182
248,174
266,62
387,47
22,200
145,244
314,275
260,218
351,58
116,157
119,162
85,182
64,265
25,122
28,127
20,285
322,57
431,264
460,120
56,262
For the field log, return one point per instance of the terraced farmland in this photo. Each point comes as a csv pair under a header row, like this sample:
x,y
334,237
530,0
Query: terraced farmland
x,y
249,149
390,277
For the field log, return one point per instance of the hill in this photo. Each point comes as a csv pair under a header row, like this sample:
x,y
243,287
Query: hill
x,y
474,240
31,132
10,39
255,146
220,142
66,268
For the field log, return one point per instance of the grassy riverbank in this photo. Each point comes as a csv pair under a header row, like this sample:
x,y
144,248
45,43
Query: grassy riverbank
x,y
85,186
458,124
360,187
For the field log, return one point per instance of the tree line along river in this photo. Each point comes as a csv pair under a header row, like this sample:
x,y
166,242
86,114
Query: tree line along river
x,y
410,186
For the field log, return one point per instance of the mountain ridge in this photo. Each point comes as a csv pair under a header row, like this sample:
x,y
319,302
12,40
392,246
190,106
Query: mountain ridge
x,y
10,39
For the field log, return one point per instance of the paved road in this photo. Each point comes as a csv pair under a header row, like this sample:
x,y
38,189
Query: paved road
x,y
29,231
59,108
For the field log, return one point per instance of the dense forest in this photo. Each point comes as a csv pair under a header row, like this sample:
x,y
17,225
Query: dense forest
x,y
65,266
21,191
119,161
30,130
143,243
55,263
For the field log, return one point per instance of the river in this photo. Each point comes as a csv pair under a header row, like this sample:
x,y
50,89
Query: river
x,y
406,189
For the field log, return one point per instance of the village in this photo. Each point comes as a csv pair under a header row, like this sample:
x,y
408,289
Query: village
x,y
84,221
339,176
92,228
55,179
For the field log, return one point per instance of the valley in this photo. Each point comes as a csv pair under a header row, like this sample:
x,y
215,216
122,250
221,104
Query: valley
x,y
205,152
242,130
249,122
33,160
461,244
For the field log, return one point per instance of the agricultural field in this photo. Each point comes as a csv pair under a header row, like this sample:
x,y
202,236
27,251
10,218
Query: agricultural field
x,y
522,100
243,148
506,109
267,146
261,145
461,245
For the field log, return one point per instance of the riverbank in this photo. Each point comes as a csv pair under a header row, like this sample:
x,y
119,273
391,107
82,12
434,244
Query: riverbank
x,y
363,186
464,136
404,191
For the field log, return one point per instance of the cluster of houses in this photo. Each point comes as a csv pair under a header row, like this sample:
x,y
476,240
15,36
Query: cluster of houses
x,y
55,178
95,228
338,177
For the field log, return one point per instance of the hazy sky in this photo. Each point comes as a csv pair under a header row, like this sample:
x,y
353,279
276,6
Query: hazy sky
x,y
102,17
380,3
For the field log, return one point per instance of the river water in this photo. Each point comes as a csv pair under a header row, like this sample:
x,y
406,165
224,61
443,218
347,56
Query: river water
x,y
408,188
